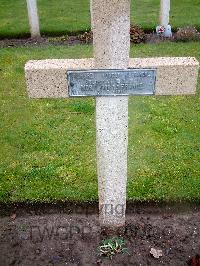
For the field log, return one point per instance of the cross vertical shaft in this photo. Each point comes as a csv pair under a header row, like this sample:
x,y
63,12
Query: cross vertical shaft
x,y
111,44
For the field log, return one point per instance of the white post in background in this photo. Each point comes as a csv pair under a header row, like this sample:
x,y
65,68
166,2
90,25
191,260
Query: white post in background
x,y
164,12
33,18
111,43
164,28
91,15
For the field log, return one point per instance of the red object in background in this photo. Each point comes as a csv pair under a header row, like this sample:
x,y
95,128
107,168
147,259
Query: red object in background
x,y
161,29
194,261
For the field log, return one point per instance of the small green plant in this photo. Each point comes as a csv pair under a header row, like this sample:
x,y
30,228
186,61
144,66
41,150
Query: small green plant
x,y
112,246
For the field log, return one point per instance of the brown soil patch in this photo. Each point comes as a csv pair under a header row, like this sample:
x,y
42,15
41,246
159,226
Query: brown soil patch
x,y
137,35
69,235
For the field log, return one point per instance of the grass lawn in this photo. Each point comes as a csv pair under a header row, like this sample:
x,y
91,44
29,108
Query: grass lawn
x,y
48,146
59,17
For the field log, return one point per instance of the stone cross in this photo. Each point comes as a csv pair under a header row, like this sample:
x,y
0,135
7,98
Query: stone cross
x,y
48,79
33,18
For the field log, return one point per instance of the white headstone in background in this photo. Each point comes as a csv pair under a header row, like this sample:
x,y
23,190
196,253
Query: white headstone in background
x,y
164,12
91,15
33,18
164,28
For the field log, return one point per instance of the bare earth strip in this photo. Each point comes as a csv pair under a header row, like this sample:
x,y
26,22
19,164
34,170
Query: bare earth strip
x,y
70,235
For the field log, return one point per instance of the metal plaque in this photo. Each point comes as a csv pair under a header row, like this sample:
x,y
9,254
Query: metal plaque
x,y
111,82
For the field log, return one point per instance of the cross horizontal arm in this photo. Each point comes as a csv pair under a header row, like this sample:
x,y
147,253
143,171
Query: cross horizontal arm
x,y
175,75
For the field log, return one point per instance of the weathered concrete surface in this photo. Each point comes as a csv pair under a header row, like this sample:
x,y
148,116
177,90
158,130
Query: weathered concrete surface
x,y
175,75
111,45
48,79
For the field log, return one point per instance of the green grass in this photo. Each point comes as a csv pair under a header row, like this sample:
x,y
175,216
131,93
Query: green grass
x,y
48,146
183,13
59,17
